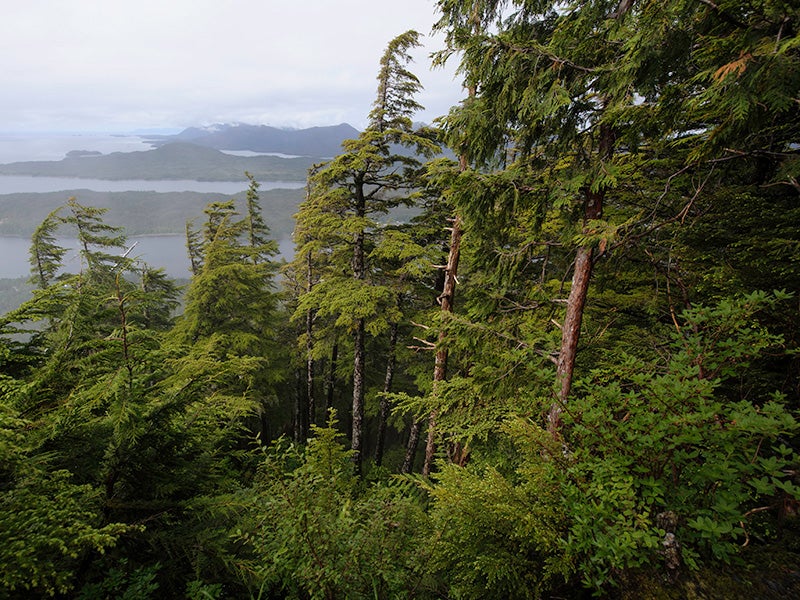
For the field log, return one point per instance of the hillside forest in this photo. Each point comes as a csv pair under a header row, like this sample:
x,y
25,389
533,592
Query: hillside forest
x,y
573,371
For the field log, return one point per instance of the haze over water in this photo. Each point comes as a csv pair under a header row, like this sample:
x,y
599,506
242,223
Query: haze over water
x,y
17,147
165,251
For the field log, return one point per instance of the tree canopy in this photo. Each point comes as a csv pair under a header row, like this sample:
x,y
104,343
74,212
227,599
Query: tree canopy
x,y
610,399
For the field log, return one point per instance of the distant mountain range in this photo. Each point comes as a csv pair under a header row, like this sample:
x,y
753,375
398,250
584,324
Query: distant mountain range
x,y
312,142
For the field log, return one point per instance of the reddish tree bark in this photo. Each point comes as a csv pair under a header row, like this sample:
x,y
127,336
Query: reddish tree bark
x,y
447,299
576,303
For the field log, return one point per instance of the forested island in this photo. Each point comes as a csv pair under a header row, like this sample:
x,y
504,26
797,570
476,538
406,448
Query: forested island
x,y
571,371
177,160
143,213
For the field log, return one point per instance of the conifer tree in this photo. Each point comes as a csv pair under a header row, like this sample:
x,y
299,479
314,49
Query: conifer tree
x,y
262,247
95,238
45,254
231,311
574,101
374,174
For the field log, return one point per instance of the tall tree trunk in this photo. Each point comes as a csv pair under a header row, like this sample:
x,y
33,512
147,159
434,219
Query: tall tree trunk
x,y
448,294
411,446
330,383
387,387
570,334
582,273
359,362
357,441
311,404
300,412
447,299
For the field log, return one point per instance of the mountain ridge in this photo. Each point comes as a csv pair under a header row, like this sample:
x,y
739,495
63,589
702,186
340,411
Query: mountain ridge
x,y
320,142
179,160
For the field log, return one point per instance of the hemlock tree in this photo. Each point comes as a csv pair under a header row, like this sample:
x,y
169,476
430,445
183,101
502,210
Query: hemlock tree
x,y
447,297
546,103
231,309
45,255
587,107
78,412
375,173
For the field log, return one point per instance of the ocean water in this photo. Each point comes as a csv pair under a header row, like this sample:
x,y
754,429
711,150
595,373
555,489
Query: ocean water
x,y
159,251
166,251
17,184
18,147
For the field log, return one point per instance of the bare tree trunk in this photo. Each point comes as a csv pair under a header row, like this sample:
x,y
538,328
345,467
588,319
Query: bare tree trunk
x,y
447,299
448,294
582,273
411,446
357,441
330,384
300,412
387,387
311,405
570,334
359,362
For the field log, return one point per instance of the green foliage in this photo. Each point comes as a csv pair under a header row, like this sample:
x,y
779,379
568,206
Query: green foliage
x,y
124,427
123,585
45,254
495,534
645,443
649,448
127,462
313,530
49,522
95,237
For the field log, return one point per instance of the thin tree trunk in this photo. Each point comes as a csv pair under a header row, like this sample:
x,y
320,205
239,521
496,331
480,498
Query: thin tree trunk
x,y
447,299
359,362
310,403
312,407
330,384
571,329
387,387
448,294
299,409
357,442
570,335
411,446
582,273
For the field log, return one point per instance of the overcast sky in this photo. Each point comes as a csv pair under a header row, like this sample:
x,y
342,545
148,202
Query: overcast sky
x,y
120,65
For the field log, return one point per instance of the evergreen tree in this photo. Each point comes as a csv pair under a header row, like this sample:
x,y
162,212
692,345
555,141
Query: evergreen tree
x,y
45,255
369,178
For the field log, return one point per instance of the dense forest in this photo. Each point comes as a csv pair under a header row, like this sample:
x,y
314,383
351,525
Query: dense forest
x,y
573,371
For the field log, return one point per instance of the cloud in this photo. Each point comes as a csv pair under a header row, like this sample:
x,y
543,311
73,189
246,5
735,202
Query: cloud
x,y
94,64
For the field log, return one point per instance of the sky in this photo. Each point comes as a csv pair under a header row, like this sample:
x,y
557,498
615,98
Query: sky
x,y
133,65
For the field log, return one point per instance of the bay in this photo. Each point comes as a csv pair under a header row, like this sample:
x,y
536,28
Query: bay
x,y
18,184
159,251
24,146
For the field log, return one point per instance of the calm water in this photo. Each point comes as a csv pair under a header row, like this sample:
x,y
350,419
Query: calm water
x,y
160,251
15,184
17,147
165,251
